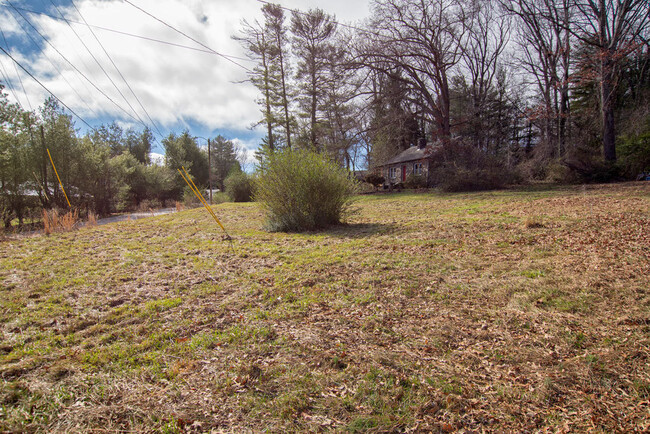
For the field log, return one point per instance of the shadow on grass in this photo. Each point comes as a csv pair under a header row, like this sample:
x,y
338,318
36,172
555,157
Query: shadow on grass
x,y
358,230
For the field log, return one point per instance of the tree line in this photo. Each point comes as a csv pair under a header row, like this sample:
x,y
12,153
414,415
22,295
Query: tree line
x,y
106,170
544,89
508,90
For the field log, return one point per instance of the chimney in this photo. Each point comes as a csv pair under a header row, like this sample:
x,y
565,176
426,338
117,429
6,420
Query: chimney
x,y
422,143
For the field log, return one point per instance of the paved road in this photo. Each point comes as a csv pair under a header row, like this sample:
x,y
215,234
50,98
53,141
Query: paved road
x,y
134,216
106,220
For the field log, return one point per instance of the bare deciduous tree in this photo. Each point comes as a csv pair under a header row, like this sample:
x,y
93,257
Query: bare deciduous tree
x,y
486,37
418,43
615,28
545,47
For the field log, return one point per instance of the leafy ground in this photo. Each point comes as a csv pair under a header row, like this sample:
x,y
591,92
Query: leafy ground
x,y
500,311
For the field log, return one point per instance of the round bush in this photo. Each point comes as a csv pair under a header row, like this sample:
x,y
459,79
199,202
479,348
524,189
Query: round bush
x,y
302,190
239,187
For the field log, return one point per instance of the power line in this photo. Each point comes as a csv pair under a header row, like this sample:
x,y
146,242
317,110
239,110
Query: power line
x,y
82,74
118,71
19,77
5,75
56,67
100,66
44,87
72,46
105,73
81,59
147,38
187,36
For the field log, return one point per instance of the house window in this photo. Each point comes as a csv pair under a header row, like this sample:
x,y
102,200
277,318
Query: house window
x,y
392,172
417,168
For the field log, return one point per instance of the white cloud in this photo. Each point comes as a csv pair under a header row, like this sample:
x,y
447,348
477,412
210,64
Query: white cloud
x,y
177,86
157,159
248,148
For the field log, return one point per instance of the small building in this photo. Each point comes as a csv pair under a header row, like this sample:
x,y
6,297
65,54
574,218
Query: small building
x,y
415,160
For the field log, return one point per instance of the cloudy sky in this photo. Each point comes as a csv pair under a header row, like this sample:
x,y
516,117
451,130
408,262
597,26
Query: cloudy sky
x,y
178,83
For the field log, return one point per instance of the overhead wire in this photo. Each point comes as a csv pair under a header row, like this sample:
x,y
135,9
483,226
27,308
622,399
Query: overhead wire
x,y
56,68
18,75
45,87
67,21
137,117
5,75
188,37
84,75
118,70
299,12
120,32
71,45
206,49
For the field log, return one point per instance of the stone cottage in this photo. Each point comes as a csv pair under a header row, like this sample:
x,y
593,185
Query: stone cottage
x,y
415,160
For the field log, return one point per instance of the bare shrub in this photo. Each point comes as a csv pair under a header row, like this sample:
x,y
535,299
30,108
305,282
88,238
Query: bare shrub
x,y
375,179
190,200
92,219
69,220
53,222
149,204
50,221
239,187
461,167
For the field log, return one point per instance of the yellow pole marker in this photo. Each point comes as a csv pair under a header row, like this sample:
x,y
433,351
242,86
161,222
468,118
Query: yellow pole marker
x,y
202,199
57,177
199,196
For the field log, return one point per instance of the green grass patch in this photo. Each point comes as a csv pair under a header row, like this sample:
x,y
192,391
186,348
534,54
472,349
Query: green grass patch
x,y
424,312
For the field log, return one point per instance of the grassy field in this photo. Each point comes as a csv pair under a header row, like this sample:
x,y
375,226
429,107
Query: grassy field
x,y
498,311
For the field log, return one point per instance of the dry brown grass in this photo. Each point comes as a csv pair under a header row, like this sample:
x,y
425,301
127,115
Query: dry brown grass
x,y
69,220
53,222
426,313
534,222
50,221
92,219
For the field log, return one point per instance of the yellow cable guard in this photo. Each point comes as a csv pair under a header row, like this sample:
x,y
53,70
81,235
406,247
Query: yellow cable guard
x,y
57,177
198,194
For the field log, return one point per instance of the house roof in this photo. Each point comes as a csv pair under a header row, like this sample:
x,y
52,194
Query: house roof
x,y
413,153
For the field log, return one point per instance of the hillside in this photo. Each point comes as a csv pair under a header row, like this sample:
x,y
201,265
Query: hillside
x,y
516,310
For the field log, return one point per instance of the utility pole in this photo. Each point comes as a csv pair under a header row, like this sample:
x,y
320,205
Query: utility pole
x,y
210,171
44,168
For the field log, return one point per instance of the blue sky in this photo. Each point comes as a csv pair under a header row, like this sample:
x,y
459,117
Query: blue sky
x,y
176,87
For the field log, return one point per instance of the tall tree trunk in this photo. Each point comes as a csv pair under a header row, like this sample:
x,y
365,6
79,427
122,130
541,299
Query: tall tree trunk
x,y
314,106
564,92
285,99
267,97
607,92
607,86
445,102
